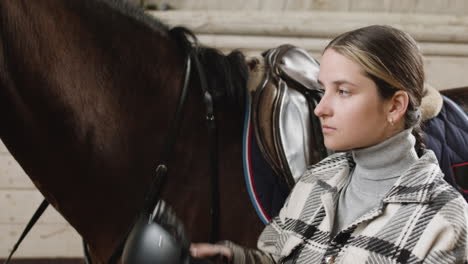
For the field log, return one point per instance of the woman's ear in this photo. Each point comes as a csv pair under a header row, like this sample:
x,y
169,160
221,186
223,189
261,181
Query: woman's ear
x,y
397,107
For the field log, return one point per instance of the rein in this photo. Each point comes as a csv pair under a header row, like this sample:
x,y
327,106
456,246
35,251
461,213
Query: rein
x,y
159,180
161,170
212,133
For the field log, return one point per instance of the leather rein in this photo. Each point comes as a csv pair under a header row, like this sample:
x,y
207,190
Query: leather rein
x,y
161,170
152,197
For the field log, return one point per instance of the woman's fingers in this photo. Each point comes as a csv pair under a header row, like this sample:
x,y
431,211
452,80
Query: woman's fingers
x,y
205,250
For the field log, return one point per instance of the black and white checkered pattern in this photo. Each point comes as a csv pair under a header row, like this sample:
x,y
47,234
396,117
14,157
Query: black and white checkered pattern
x,y
422,219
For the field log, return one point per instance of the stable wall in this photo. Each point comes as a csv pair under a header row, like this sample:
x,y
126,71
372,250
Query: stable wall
x,y
453,7
52,236
443,39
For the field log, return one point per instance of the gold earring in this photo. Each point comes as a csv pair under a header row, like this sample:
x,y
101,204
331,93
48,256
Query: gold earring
x,y
390,120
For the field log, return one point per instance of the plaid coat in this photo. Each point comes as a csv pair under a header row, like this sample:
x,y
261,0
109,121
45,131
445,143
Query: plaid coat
x,y
422,219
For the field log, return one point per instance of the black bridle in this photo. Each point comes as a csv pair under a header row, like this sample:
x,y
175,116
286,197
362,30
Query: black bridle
x,y
157,185
162,168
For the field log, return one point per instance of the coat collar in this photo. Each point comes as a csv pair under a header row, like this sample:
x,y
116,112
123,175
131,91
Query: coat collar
x,y
415,185
332,172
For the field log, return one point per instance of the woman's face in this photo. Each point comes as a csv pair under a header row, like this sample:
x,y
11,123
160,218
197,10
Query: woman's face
x,y
352,113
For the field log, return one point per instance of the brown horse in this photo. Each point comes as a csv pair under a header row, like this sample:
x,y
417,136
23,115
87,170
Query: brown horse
x,y
88,92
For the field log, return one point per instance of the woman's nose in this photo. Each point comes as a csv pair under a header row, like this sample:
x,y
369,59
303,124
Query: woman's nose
x,y
322,109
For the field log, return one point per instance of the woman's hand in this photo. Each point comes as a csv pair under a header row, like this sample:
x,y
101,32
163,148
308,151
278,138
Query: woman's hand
x,y
205,250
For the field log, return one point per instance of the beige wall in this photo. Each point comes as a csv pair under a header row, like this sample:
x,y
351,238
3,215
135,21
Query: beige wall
x,y
443,38
441,26
51,237
456,7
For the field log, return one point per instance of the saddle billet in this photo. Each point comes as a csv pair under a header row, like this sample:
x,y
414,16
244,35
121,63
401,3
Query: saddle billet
x,y
288,133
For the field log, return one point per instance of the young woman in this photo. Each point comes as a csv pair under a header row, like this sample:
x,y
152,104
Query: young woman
x,y
382,198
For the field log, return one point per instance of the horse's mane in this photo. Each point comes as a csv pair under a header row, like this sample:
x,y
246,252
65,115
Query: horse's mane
x,y
131,10
226,74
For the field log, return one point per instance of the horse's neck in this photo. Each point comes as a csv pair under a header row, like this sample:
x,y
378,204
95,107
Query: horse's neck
x,y
85,98
84,80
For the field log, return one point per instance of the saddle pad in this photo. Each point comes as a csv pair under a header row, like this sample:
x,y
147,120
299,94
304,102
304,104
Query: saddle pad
x,y
267,192
447,135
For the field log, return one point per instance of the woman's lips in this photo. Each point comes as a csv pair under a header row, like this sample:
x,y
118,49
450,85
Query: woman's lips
x,y
327,129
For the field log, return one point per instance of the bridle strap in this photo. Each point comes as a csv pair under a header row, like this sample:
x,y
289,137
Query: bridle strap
x,y
152,196
161,170
213,152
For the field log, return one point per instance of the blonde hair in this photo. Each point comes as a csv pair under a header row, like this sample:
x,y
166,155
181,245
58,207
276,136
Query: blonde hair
x,y
392,59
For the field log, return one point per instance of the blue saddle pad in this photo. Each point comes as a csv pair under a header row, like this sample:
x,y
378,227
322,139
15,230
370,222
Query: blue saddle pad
x,y
447,135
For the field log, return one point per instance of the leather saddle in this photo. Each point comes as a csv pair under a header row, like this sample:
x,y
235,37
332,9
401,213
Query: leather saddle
x,y
288,133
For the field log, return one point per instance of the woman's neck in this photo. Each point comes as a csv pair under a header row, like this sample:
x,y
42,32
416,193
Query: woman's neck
x,y
387,159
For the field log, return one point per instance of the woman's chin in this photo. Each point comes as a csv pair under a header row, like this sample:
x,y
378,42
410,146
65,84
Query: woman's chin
x,y
337,147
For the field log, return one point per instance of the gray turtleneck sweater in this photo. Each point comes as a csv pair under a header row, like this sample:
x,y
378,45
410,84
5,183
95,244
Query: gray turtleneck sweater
x,y
377,169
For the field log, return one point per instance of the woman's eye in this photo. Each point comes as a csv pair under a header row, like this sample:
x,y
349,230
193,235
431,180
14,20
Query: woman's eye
x,y
343,92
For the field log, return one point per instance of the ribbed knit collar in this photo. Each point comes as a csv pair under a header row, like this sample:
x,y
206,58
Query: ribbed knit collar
x,y
386,160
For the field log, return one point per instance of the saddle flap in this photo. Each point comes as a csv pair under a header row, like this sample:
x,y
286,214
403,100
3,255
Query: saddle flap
x,y
294,131
264,105
283,107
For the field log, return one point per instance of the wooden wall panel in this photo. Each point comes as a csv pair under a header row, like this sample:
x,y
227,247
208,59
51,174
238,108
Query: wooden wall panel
x,y
52,236
425,28
455,7
45,240
443,38
369,6
12,176
19,205
446,72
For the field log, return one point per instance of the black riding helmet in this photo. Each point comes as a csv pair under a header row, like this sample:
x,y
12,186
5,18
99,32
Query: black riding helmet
x,y
157,238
